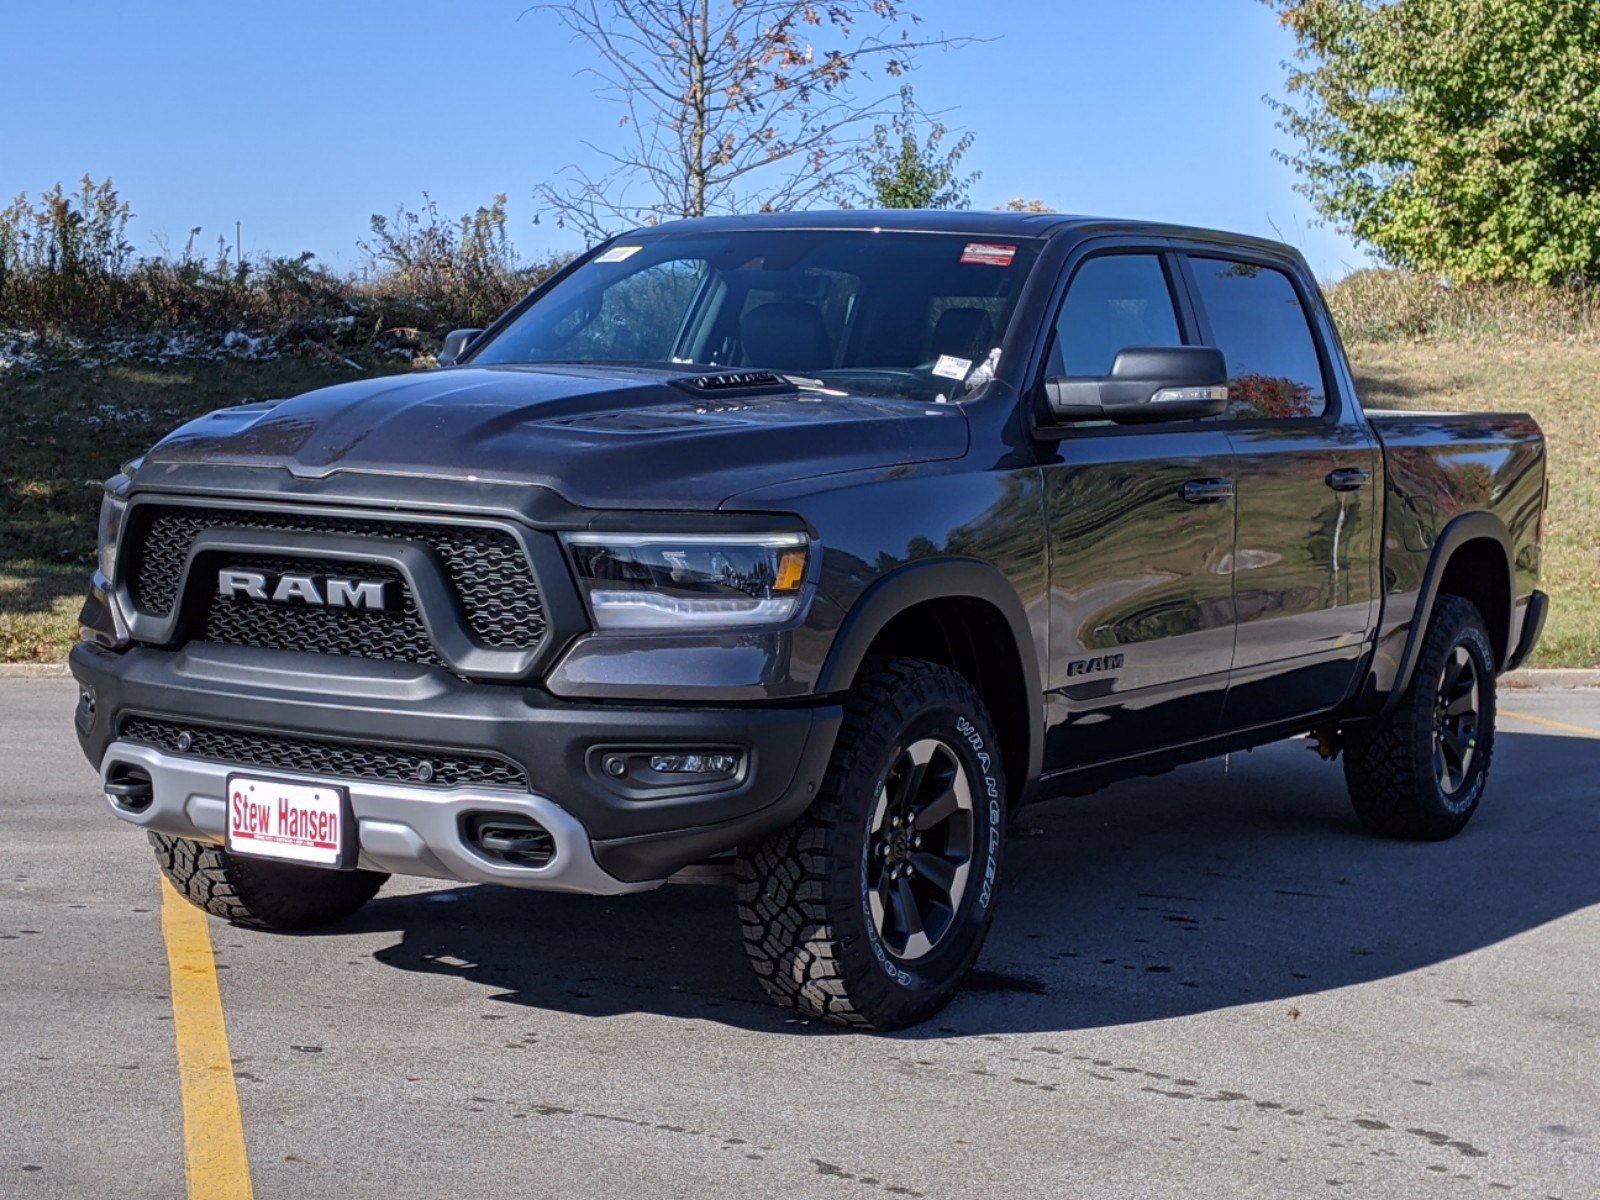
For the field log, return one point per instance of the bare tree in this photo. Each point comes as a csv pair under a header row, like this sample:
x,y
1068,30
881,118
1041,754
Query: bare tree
x,y
730,105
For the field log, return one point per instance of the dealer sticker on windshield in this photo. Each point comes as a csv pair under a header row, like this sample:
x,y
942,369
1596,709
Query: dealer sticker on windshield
x,y
290,821
951,367
988,254
618,254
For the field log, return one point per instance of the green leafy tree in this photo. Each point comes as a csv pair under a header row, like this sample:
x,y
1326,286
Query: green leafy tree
x,y
903,172
1459,136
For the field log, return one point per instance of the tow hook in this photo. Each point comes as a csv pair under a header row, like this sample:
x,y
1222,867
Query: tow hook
x,y
1329,743
129,788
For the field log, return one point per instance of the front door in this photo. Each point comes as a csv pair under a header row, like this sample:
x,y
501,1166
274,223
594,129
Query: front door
x,y
1141,537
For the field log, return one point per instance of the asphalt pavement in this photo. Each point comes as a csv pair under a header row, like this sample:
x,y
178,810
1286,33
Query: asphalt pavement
x,y
1206,984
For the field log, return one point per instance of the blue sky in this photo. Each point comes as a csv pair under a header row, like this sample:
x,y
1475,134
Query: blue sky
x,y
299,120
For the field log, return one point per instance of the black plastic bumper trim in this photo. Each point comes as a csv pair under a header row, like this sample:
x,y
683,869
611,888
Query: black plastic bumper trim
x,y
1538,608
306,695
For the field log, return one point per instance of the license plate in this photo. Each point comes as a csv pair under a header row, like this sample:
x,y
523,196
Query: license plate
x,y
294,822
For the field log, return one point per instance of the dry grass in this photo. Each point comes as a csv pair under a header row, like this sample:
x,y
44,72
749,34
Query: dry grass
x,y
63,433
1404,306
1559,383
39,605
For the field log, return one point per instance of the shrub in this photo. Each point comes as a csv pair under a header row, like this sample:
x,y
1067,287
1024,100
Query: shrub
x,y
465,267
68,272
66,258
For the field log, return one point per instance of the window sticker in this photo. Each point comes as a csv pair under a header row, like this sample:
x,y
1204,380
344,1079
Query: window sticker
x,y
988,254
618,254
951,367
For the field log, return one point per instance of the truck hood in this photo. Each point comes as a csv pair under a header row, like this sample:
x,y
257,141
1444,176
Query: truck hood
x,y
602,437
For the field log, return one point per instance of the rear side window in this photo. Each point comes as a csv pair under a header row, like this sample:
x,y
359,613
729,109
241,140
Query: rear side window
x,y
1261,328
1114,302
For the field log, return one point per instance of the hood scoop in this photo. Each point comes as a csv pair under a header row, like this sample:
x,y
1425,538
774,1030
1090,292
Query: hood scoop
x,y
735,383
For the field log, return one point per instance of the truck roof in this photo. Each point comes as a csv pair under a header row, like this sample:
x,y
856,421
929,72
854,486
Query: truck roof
x,y
970,222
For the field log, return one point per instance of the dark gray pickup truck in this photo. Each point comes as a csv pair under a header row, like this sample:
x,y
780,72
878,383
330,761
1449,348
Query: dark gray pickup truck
x,y
820,543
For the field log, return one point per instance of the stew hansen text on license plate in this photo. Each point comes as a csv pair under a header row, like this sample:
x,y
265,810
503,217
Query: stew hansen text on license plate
x,y
290,821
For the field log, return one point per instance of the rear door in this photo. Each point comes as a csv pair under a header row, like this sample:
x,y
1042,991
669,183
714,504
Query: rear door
x,y
1140,533
1305,472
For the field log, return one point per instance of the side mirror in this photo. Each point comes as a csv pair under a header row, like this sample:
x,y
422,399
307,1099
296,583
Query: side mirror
x,y
455,345
1147,383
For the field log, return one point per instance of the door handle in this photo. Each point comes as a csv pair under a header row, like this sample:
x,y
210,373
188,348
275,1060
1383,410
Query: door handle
x,y
1348,479
1206,491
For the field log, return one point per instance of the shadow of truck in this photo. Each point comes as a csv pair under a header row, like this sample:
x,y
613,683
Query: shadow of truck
x,y
1217,885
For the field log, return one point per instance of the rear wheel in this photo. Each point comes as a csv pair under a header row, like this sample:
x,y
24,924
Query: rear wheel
x,y
261,895
1420,772
871,907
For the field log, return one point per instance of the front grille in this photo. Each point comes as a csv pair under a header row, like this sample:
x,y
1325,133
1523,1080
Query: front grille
x,y
486,566
326,759
394,635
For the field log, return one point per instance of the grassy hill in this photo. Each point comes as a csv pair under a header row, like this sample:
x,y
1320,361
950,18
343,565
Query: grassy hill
x,y
1559,383
63,432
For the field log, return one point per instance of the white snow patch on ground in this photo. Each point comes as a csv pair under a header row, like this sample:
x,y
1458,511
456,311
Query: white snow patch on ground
x,y
27,352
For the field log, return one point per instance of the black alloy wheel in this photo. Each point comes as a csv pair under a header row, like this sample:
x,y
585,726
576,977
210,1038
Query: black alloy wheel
x,y
920,848
1455,721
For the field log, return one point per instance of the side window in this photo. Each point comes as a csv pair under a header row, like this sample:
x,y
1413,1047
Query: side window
x,y
1262,330
1114,302
639,315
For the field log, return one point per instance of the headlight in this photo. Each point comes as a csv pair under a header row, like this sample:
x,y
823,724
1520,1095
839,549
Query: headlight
x,y
112,509
666,581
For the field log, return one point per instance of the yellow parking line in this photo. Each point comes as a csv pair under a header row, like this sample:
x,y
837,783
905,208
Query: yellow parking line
x,y
213,1130
1549,724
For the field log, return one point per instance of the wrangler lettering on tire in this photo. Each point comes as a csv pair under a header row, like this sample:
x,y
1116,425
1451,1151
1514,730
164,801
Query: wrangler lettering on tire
x,y
869,909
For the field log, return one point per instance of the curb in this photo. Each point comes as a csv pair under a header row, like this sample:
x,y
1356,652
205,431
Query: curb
x,y
1552,677
33,671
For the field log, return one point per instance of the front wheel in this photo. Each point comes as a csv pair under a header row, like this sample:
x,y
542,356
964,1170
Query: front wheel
x,y
1420,771
871,907
258,894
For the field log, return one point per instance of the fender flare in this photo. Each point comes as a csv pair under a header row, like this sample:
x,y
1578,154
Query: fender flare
x,y
1468,527
939,579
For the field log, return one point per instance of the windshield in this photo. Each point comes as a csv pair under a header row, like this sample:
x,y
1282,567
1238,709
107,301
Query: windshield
x,y
918,315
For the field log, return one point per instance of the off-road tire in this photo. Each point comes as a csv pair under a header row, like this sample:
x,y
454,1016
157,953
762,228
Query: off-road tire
x,y
803,891
261,895
1389,763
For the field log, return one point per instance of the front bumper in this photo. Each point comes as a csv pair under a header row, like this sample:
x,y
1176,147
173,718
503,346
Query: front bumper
x,y
403,830
609,835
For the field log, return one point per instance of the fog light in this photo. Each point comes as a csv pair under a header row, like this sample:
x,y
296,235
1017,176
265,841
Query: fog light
x,y
694,764
645,772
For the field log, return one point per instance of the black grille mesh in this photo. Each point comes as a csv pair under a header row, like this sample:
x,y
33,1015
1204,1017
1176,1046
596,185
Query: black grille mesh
x,y
486,566
323,759
394,635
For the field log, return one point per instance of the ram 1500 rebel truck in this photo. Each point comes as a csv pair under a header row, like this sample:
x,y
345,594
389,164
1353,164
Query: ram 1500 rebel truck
x,y
818,541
